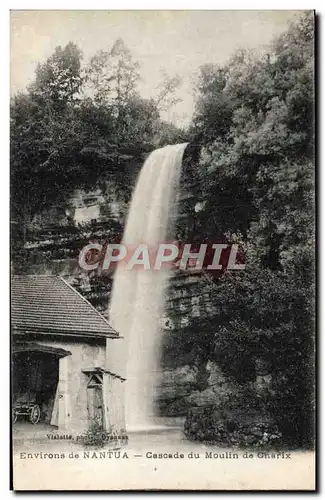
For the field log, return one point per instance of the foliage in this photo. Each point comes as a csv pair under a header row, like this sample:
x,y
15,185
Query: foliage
x,y
78,124
234,425
254,121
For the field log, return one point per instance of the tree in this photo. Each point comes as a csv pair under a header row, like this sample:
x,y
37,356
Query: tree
x,y
113,75
75,125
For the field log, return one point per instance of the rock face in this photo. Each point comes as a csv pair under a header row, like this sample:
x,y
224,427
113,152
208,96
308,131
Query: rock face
x,y
218,387
174,390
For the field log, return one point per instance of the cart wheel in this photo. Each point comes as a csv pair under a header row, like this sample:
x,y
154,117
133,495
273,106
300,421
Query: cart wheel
x,y
35,414
14,416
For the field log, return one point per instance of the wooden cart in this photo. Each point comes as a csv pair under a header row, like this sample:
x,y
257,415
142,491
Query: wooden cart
x,y
31,410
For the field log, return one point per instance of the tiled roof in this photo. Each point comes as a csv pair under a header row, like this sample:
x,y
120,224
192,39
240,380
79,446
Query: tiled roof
x,y
48,304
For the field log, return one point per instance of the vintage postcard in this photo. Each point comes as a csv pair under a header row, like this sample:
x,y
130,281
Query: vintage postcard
x,y
162,250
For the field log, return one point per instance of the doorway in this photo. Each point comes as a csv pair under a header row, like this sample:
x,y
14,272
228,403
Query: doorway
x,y
35,377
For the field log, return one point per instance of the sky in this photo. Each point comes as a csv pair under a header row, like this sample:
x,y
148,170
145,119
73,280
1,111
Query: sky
x,y
177,42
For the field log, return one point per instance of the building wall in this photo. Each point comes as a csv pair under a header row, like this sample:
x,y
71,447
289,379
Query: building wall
x,y
73,405
113,389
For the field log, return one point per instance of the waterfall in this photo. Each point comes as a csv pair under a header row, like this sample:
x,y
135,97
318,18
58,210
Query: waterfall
x,y
138,295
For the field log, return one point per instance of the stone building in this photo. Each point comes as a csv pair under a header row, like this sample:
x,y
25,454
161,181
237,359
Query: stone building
x,y
60,372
